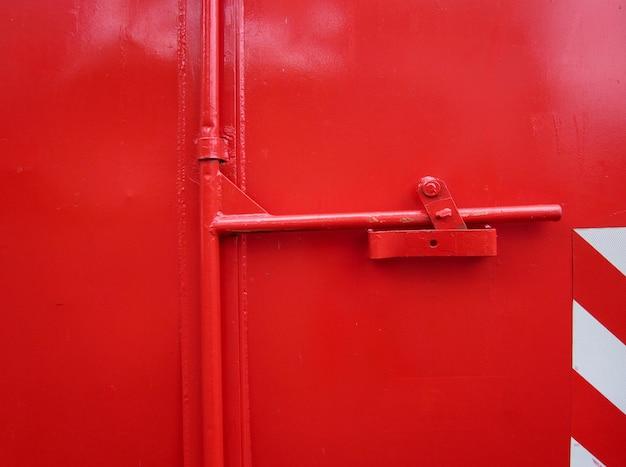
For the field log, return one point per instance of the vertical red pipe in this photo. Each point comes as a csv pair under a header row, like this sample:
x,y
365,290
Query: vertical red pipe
x,y
209,110
209,145
210,319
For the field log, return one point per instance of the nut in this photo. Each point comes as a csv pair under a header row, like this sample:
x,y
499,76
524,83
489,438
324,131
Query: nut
x,y
430,186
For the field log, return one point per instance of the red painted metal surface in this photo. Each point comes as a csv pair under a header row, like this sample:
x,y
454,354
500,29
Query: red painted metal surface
x,y
441,208
218,193
211,324
98,232
232,211
408,243
212,151
450,237
320,355
341,106
263,222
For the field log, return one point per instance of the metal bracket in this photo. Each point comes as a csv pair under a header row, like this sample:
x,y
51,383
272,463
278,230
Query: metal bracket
x,y
450,236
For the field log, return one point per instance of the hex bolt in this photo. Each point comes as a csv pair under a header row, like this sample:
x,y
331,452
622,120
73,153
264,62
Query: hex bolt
x,y
430,186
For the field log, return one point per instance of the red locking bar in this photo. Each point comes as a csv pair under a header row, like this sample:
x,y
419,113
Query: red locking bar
x,y
211,321
240,223
212,151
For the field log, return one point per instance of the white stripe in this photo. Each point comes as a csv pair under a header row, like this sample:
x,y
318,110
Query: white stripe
x,y
599,357
580,457
610,243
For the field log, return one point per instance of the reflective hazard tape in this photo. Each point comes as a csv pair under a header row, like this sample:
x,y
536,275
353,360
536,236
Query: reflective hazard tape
x,y
580,457
599,357
599,348
610,242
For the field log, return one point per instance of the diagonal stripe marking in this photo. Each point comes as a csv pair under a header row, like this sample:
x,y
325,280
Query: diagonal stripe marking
x,y
610,242
599,287
599,357
597,424
580,457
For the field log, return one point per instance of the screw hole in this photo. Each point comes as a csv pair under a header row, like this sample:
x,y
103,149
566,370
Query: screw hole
x,y
433,243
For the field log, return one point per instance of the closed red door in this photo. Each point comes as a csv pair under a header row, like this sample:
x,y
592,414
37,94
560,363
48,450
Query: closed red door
x,y
333,358
335,328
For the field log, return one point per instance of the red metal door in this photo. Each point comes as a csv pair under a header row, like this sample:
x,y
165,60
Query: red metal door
x,y
98,229
310,352
333,358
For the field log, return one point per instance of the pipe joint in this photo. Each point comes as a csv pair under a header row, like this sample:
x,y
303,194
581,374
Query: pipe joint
x,y
212,147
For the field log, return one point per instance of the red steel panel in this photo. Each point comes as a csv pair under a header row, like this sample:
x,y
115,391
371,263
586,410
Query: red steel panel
x,y
430,361
319,355
98,232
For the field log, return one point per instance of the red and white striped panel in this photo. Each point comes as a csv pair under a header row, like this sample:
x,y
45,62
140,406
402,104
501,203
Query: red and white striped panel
x,y
599,348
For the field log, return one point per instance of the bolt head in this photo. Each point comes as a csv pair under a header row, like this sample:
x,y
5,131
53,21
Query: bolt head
x,y
430,186
442,214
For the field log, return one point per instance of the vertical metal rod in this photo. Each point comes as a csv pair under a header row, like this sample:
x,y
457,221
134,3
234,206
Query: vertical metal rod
x,y
210,202
210,85
211,320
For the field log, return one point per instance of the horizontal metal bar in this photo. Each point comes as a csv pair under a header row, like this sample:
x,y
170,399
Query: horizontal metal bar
x,y
241,223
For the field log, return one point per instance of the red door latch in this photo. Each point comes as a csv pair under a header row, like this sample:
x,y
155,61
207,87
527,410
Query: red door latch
x,y
237,213
450,236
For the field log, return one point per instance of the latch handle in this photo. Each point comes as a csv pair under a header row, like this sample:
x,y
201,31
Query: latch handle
x,y
450,236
